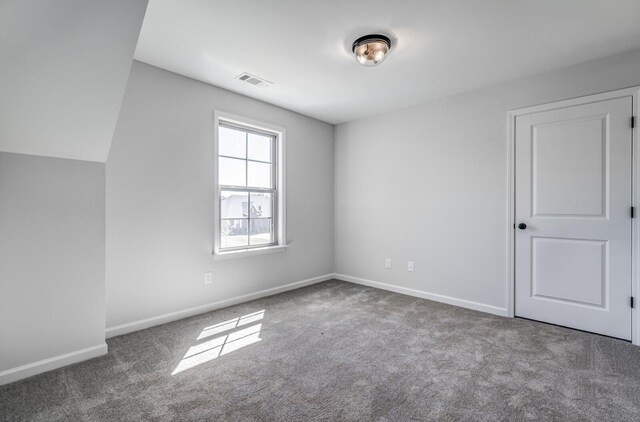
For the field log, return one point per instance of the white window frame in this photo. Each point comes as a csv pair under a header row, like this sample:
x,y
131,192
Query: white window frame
x,y
280,232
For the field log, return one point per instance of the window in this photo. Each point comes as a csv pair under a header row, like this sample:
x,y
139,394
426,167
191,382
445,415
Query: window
x,y
249,189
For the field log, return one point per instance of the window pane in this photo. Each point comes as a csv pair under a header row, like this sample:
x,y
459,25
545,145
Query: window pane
x,y
234,233
259,175
260,147
232,172
232,142
261,231
234,204
261,205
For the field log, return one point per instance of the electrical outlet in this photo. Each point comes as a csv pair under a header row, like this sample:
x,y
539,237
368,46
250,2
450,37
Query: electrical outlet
x,y
387,263
410,266
207,278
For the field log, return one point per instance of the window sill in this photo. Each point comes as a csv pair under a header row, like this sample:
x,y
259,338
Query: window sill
x,y
243,253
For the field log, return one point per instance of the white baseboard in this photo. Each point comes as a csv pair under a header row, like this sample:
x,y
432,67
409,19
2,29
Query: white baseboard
x,y
495,310
24,371
45,365
196,310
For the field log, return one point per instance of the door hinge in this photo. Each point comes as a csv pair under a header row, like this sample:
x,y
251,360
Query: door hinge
x,y
633,212
633,122
632,302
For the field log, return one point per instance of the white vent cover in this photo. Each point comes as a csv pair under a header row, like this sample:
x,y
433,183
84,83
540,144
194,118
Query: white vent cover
x,y
253,80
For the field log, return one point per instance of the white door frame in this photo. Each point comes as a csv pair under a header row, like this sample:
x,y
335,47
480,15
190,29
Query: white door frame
x,y
635,194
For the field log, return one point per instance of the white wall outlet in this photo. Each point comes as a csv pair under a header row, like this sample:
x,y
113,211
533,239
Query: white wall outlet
x,y
387,263
410,266
207,278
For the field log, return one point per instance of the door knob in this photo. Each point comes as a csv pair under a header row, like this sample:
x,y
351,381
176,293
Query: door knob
x,y
522,226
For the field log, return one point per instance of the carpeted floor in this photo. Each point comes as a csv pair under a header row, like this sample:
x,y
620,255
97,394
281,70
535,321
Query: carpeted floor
x,y
339,351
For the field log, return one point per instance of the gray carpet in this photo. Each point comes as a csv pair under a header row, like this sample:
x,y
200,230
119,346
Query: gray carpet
x,y
339,351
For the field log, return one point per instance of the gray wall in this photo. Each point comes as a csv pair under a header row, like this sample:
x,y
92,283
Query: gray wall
x,y
64,70
52,248
160,199
429,184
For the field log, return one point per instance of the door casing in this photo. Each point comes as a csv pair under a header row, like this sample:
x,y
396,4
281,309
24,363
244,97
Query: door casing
x,y
635,195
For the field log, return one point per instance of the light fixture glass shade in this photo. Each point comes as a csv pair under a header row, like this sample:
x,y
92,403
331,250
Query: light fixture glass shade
x,y
371,50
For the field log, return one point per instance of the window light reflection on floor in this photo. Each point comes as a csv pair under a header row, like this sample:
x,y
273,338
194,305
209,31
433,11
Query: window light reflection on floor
x,y
224,344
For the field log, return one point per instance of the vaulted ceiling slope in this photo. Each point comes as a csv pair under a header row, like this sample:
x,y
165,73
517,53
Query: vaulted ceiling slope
x,y
443,47
64,67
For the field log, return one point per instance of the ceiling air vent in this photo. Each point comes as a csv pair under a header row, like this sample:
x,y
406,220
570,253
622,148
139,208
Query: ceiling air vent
x,y
253,80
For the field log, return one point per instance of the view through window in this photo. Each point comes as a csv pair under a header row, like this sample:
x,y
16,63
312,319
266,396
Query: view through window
x,y
247,178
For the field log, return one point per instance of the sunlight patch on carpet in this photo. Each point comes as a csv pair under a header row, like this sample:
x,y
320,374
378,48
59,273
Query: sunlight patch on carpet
x,y
236,339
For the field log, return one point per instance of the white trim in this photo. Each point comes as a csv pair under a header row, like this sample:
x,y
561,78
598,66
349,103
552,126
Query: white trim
x,y
281,188
242,253
196,310
584,99
511,206
463,303
635,193
635,226
49,364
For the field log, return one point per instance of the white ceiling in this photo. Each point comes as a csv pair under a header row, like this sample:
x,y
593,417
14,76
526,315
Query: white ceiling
x,y
64,67
443,47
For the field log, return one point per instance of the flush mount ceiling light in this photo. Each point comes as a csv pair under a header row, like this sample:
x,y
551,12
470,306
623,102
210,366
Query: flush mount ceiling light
x,y
371,50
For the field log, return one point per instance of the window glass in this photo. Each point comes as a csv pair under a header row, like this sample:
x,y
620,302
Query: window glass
x,y
232,172
261,205
233,143
259,174
260,147
261,232
234,233
247,188
233,205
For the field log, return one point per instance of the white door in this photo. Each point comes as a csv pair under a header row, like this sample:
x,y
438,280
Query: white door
x,y
573,216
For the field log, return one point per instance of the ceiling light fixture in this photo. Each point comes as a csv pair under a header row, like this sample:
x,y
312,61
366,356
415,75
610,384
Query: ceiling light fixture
x,y
371,50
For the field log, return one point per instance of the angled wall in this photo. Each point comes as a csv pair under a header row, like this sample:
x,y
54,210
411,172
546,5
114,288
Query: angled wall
x,y
64,70
63,73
